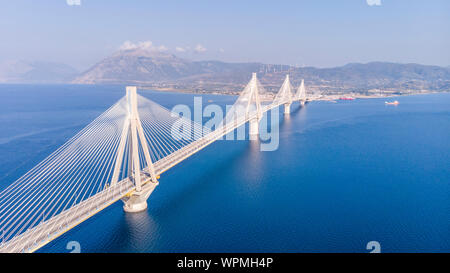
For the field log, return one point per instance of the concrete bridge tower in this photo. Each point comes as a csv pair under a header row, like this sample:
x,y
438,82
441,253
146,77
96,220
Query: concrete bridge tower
x,y
134,134
255,100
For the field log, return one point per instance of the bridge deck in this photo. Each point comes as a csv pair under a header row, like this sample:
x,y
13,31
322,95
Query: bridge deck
x,y
49,230
45,232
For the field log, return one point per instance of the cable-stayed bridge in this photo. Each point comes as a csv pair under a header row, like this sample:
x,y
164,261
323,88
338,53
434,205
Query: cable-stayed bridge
x,y
118,156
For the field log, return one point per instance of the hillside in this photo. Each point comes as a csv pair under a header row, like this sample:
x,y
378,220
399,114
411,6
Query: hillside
x,y
166,71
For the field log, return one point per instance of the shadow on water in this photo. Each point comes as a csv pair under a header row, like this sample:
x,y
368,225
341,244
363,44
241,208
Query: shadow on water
x,y
194,186
295,119
142,231
300,111
197,185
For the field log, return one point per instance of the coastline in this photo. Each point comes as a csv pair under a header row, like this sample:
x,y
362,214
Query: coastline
x,y
331,97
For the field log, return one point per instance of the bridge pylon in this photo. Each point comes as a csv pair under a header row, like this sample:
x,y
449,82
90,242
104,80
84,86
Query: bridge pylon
x,y
133,140
254,99
248,106
284,96
301,93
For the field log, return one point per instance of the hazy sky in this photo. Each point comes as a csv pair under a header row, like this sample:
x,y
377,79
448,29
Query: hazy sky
x,y
315,32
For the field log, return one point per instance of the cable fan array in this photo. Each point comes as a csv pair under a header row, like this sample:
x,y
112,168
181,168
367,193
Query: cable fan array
x,y
76,171
83,167
165,131
248,103
92,169
284,95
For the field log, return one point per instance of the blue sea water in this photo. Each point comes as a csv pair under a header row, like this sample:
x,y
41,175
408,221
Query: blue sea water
x,y
344,174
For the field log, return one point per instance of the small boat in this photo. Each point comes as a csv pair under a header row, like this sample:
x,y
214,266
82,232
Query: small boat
x,y
391,102
346,98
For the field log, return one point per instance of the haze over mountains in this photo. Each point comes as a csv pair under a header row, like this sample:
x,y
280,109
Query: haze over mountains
x,y
156,69
36,72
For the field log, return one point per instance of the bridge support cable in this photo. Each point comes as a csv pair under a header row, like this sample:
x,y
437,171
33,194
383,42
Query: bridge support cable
x,y
248,105
159,133
284,96
78,171
301,93
119,156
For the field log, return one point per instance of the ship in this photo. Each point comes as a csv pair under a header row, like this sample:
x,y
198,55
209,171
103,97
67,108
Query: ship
x,y
391,102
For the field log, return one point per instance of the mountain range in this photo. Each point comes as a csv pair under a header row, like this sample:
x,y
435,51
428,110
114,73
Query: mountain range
x,y
162,70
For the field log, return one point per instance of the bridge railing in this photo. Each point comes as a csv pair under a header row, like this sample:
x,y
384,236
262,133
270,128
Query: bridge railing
x,y
49,230
181,154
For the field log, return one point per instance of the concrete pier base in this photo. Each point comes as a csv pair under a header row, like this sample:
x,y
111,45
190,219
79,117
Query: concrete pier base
x,y
137,201
287,108
253,129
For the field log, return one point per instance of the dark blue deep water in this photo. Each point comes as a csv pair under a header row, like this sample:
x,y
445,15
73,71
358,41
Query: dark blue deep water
x,y
344,174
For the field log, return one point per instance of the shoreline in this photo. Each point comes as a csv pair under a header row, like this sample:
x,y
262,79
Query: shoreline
x,y
332,97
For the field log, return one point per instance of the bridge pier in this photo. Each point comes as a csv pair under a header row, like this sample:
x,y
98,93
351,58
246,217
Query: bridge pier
x,y
253,129
287,108
302,102
137,201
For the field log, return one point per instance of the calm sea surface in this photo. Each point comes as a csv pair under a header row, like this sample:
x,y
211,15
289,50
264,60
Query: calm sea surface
x,y
344,174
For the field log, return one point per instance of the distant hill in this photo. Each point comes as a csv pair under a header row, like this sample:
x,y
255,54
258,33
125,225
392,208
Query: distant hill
x,y
36,72
143,66
164,70
161,70
379,76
